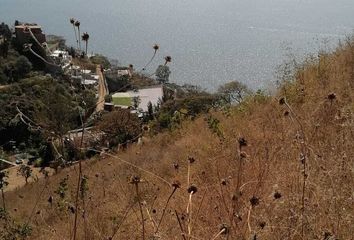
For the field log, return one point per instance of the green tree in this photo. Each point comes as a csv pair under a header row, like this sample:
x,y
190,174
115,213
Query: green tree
x,y
120,126
23,66
150,113
116,83
136,102
85,37
4,48
58,113
62,192
47,153
5,31
233,92
3,184
102,60
25,171
162,73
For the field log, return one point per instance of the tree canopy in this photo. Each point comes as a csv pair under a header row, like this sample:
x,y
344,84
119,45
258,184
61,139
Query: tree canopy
x,y
120,126
162,73
234,91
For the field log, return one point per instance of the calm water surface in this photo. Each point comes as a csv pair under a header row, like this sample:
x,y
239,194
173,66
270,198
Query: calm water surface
x,y
211,41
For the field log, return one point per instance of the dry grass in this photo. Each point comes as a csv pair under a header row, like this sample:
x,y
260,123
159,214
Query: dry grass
x,y
281,171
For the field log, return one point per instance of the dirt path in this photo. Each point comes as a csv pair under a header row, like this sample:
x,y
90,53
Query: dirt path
x,y
17,181
102,90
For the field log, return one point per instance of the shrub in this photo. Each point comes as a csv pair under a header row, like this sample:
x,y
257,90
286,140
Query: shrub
x,y
120,126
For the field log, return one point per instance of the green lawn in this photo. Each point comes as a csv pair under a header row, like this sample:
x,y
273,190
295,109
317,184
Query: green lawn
x,y
124,101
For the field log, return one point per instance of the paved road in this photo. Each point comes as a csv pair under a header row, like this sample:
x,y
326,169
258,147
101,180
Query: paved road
x,y
102,90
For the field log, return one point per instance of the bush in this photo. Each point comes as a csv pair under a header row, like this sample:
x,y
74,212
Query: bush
x,y
23,66
102,60
120,126
116,83
162,74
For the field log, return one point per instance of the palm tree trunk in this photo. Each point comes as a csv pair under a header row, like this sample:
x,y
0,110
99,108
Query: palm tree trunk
x,y
86,46
78,30
77,41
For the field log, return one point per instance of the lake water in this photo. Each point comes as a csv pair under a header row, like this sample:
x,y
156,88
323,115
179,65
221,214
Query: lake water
x,y
211,41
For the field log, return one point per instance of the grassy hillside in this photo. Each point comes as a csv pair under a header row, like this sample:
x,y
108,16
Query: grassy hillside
x,y
274,167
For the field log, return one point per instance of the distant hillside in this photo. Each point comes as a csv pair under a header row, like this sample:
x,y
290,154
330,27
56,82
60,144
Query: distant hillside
x,y
273,167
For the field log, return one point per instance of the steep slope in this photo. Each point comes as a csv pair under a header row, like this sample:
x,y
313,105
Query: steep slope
x,y
272,168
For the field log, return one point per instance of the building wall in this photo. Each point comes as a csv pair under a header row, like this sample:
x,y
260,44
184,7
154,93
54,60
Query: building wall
x,y
23,37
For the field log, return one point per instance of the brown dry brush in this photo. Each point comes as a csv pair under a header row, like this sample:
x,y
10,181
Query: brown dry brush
x,y
279,172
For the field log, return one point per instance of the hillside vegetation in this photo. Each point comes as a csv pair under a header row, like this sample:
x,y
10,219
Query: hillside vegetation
x,y
273,167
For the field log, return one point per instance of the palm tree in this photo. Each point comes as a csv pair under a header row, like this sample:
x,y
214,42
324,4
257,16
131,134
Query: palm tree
x,y
155,47
167,59
85,37
72,21
77,24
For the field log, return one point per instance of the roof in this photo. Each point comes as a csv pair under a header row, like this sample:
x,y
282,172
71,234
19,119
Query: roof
x,y
87,71
28,25
88,82
123,72
56,53
146,95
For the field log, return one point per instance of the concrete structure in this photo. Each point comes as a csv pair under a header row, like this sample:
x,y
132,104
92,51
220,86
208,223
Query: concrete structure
x,y
23,33
124,72
108,107
145,95
83,76
61,58
61,54
89,82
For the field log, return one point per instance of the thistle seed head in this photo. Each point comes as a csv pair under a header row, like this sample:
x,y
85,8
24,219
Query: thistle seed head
x,y
156,47
191,160
176,184
254,201
134,180
192,189
176,166
242,142
225,228
331,96
277,195
262,224
168,59
243,154
223,182
71,209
